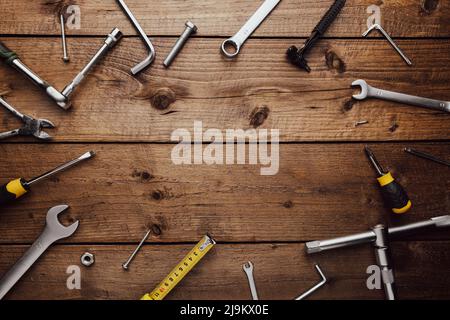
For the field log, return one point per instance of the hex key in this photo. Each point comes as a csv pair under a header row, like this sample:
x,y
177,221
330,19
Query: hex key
x,y
151,56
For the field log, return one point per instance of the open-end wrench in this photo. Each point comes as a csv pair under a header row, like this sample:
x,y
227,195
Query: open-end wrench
x,y
248,269
371,92
53,232
246,31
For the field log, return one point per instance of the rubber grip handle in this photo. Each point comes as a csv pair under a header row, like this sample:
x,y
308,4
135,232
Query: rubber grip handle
x,y
6,54
394,195
12,191
330,16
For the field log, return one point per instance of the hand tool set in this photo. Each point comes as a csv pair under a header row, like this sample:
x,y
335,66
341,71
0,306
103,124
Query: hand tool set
x,y
393,193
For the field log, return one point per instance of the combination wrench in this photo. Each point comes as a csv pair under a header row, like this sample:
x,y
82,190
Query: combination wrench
x,y
246,31
53,232
371,92
248,269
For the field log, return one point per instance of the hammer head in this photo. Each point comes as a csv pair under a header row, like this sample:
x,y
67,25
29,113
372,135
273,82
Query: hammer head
x,y
296,58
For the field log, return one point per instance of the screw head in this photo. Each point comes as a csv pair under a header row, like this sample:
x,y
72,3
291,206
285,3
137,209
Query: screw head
x,y
191,26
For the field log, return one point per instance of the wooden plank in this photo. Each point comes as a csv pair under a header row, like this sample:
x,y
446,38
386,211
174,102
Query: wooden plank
x,y
260,89
292,18
321,191
282,271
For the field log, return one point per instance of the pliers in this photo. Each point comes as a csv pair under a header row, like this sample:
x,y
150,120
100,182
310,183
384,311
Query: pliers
x,y
32,127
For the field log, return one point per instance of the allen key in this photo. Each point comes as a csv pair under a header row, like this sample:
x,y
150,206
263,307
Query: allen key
x,y
316,287
388,37
152,54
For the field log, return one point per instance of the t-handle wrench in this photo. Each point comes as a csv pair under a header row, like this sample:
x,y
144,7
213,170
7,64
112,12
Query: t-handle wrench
x,y
53,232
371,92
246,31
248,269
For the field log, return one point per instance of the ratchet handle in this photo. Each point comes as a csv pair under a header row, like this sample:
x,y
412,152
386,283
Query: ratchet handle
x,y
7,54
12,191
330,16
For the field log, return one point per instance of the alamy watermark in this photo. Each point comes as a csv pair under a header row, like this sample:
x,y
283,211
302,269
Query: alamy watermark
x,y
227,148
73,21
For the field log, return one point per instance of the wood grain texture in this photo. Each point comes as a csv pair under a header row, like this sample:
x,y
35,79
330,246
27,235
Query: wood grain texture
x,y
292,18
321,191
282,271
260,89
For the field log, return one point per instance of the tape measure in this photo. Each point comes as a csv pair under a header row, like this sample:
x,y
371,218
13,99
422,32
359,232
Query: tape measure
x,y
181,270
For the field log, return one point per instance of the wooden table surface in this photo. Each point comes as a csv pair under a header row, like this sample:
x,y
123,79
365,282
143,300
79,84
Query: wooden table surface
x,y
325,186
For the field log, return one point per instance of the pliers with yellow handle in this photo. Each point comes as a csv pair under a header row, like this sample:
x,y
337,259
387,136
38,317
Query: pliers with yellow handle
x,y
32,127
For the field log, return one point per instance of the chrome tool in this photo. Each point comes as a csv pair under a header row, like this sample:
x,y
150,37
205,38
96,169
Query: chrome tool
x,y
53,232
248,269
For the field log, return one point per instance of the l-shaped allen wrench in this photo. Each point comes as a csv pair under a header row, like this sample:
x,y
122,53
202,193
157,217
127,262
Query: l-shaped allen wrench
x,y
151,50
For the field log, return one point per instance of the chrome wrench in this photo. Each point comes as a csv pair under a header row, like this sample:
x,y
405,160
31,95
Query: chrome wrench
x,y
246,31
371,92
151,50
248,269
53,232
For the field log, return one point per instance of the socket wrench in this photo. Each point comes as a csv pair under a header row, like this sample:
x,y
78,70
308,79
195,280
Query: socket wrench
x,y
61,98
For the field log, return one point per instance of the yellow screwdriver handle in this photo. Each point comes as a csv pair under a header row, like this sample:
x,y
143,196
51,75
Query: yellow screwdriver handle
x,y
12,191
394,194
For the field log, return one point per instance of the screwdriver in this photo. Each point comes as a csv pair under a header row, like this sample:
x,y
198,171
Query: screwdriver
x,y
19,187
393,193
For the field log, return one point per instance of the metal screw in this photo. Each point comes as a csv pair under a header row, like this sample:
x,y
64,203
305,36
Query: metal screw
x,y
64,44
190,30
127,263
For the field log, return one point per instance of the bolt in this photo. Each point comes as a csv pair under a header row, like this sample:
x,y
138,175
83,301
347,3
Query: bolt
x,y
190,30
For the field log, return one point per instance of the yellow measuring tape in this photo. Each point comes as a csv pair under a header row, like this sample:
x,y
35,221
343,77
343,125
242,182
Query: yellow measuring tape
x,y
181,270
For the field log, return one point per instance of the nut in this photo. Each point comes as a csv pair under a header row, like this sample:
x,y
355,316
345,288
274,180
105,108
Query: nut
x,y
87,259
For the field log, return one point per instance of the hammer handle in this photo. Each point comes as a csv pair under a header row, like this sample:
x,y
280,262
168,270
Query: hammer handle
x,y
6,54
329,17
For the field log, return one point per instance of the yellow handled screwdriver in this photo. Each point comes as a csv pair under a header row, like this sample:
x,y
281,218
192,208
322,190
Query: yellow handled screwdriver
x,y
17,188
393,193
